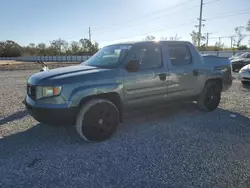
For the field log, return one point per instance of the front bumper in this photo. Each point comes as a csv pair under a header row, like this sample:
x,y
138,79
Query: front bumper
x,y
52,116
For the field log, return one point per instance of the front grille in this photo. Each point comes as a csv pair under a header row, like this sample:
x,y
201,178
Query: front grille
x,y
31,91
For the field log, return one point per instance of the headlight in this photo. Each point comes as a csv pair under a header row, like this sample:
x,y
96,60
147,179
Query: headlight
x,y
243,71
48,91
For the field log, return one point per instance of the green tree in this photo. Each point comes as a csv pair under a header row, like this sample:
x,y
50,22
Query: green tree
x,y
85,45
42,49
149,38
242,47
59,46
171,38
195,36
75,47
248,26
10,48
88,47
239,36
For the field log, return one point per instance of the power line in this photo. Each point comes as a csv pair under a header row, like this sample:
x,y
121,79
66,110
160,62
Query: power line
x,y
231,14
235,13
226,36
171,27
231,37
172,7
209,2
147,15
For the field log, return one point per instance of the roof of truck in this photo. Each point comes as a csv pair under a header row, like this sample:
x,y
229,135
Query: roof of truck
x,y
147,42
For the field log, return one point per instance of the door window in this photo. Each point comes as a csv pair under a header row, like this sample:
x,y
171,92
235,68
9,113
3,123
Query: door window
x,y
180,55
148,56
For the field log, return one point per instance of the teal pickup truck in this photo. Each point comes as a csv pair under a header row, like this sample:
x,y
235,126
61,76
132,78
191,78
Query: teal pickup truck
x,y
93,95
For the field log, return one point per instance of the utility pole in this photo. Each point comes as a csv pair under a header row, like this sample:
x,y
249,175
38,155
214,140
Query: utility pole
x,y
200,24
231,38
89,34
207,37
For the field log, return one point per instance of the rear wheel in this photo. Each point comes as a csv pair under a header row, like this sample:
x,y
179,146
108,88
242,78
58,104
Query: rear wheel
x,y
97,120
210,97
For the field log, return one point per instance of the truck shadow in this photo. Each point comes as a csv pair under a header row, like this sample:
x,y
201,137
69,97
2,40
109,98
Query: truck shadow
x,y
13,117
41,137
218,121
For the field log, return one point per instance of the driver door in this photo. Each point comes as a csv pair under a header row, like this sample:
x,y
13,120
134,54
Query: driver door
x,y
148,85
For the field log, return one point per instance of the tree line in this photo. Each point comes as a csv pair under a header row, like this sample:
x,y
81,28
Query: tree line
x,y
236,39
59,46
10,48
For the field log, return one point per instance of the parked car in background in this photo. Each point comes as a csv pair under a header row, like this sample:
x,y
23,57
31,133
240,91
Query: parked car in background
x,y
241,61
93,96
236,55
244,74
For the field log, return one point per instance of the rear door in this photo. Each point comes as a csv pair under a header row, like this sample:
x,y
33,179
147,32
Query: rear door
x,y
149,84
182,73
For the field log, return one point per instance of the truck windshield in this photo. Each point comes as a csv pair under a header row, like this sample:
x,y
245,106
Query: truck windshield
x,y
108,57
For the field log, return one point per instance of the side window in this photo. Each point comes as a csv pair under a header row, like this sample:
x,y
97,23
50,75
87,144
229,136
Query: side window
x,y
179,55
149,56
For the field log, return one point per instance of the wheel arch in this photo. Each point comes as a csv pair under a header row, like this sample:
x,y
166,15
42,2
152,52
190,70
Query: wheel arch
x,y
215,80
113,97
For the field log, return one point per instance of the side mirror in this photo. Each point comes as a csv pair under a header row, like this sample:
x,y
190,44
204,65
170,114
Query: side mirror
x,y
133,66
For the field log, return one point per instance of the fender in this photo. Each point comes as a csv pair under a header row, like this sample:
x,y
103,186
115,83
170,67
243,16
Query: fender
x,y
90,90
205,75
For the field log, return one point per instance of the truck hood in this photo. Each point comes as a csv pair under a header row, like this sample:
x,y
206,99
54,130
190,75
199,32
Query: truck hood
x,y
62,73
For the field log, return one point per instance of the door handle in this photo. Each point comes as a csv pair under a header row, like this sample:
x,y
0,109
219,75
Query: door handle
x,y
195,72
162,76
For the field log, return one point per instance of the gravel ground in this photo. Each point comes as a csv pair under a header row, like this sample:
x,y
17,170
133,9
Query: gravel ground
x,y
178,146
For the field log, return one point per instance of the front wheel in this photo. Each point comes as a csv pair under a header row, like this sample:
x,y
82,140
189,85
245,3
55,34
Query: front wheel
x,y
210,97
97,120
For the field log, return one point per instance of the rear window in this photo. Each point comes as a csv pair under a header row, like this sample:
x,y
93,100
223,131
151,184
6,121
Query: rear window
x,y
179,55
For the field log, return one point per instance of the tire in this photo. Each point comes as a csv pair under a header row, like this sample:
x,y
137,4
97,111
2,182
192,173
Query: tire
x,y
210,97
97,120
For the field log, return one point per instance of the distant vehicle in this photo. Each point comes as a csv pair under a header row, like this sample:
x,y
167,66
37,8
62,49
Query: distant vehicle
x,y
244,74
241,61
93,96
237,55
